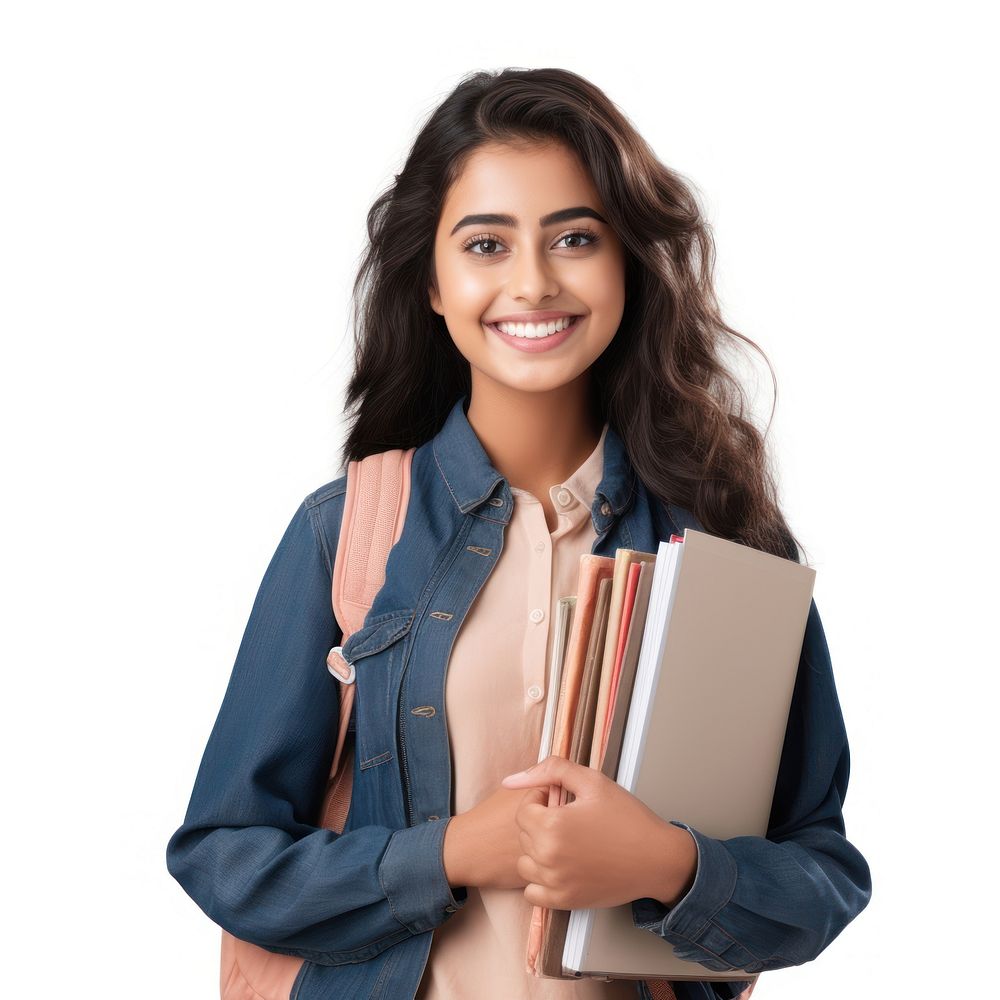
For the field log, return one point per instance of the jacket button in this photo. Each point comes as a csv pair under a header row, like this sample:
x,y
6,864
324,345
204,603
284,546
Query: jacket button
x,y
449,908
605,508
432,817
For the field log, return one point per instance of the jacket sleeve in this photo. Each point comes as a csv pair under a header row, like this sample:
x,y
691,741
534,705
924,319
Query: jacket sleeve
x,y
248,851
761,903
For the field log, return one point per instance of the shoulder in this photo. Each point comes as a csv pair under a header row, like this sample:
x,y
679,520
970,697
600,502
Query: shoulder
x,y
682,517
325,508
671,518
327,492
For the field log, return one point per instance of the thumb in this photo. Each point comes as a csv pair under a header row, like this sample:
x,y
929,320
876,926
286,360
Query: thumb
x,y
554,770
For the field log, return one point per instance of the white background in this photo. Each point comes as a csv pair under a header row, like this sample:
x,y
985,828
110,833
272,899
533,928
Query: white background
x,y
184,188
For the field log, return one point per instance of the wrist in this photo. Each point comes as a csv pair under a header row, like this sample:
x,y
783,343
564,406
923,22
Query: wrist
x,y
678,854
456,855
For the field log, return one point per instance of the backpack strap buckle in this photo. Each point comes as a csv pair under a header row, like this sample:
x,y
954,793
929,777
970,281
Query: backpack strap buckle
x,y
339,667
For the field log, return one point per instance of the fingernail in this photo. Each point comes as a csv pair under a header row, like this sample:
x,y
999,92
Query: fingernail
x,y
519,774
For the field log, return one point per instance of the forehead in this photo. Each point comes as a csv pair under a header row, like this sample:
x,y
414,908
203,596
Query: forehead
x,y
524,180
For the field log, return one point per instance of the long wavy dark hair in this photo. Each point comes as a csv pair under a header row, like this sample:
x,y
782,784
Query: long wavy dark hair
x,y
662,382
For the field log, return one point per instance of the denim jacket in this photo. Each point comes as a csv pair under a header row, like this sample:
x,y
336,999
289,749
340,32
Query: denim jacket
x,y
361,906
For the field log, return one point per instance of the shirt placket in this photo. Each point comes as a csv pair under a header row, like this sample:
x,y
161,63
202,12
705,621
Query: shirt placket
x,y
543,545
539,587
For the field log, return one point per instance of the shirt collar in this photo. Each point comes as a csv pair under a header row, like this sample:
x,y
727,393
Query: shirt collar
x,y
573,498
472,481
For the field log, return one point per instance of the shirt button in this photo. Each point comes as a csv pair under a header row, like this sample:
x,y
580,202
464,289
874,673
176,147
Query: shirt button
x,y
539,546
537,615
564,497
534,692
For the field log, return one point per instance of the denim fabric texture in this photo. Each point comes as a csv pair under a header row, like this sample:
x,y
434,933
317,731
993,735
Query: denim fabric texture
x,y
360,907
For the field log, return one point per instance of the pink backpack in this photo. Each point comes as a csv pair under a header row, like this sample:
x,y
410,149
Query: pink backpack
x,y
378,491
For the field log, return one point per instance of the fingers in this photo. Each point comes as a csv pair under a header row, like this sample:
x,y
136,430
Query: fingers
x,y
535,796
531,871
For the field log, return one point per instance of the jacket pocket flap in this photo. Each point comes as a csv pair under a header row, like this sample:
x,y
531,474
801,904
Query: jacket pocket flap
x,y
378,632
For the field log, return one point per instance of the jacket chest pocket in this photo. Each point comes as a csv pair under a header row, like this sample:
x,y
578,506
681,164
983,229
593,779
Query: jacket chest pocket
x,y
377,652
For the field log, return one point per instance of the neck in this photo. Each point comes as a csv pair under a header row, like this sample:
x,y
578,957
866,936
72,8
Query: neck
x,y
534,439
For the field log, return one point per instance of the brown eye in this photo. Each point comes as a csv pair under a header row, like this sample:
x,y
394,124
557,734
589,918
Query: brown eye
x,y
483,238
576,234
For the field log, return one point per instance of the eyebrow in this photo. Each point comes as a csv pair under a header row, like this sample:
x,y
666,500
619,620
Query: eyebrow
x,y
503,219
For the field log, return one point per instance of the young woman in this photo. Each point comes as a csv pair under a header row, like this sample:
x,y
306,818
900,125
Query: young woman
x,y
536,317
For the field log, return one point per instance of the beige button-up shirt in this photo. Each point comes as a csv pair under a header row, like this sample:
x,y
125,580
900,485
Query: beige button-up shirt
x,y
495,694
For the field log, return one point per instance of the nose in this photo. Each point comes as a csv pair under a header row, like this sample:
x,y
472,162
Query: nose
x,y
532,278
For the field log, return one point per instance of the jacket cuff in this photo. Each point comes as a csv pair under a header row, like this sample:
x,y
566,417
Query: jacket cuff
x,y
713,886
413,878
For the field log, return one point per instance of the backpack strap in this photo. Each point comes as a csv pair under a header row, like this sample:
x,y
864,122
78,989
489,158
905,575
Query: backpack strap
x,y
378,492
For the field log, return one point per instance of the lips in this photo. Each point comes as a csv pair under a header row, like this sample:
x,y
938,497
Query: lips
x,y
534,345
496,328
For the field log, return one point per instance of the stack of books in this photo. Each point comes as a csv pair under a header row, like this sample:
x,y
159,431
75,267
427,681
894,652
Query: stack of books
x,y
674,674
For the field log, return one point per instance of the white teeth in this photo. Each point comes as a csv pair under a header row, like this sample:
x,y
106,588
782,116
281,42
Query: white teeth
x,y
535,329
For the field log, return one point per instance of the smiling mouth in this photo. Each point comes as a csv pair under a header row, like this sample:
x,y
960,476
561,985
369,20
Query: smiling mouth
x,y
533,331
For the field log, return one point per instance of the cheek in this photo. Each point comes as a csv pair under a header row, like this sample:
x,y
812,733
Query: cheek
x,y
601,286
605,296
469,292
606,290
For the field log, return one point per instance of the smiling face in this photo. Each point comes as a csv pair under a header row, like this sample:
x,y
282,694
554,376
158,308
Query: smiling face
x,y
550,257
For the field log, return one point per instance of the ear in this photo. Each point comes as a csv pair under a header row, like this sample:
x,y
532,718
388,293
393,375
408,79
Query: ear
x,y
435,297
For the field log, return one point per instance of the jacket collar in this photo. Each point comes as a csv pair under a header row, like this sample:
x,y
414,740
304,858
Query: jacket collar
x,y
472,481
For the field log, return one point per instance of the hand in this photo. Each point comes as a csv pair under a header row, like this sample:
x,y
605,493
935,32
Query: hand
x,y
604,848
482,845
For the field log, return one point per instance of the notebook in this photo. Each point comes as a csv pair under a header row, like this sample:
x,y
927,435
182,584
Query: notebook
x,y
705,723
